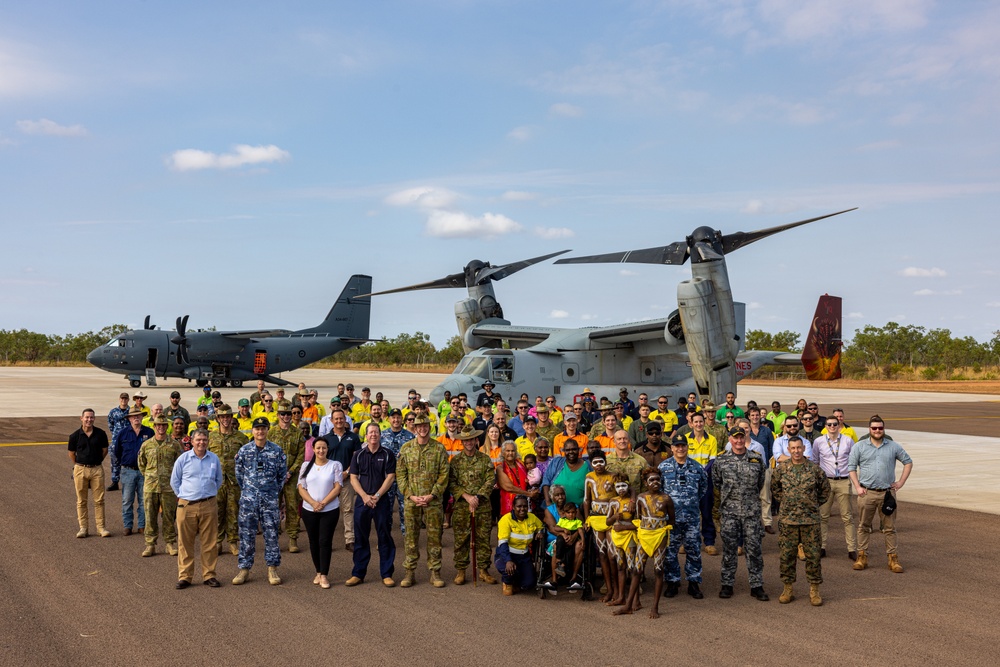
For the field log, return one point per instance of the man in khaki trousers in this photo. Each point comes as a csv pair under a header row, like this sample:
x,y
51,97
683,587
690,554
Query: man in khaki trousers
x,y
196,479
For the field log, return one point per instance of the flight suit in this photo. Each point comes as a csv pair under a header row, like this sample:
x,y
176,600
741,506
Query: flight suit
x,y
422,470
226,446
260,473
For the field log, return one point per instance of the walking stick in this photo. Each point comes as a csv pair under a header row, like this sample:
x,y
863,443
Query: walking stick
x,y
472,548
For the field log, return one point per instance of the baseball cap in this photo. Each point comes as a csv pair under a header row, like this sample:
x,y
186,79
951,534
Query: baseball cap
x,y
395,412
261,421
654,427
531,419
452,418
736,430
124,395
569,415
678,439
244,402
350,386
201,407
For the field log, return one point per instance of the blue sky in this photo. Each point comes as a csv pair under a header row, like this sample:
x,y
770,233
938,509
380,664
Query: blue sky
x,y
238,161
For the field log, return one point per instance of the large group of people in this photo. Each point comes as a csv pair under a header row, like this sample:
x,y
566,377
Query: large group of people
x,y
570,490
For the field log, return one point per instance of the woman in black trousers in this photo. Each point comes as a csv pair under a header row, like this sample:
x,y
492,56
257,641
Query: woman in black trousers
x,y
320,482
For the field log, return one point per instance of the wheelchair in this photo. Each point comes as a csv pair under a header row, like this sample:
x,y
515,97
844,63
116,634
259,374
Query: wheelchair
x,y
582,583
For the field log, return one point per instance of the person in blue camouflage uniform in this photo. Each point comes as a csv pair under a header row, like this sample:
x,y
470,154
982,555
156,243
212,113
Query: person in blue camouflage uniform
x,y
685,481
393,439
117,420
739,476
261,467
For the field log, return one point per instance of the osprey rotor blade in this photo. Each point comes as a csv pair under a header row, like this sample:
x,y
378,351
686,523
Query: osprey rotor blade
x,y
675,253
501,272
454,280
737,240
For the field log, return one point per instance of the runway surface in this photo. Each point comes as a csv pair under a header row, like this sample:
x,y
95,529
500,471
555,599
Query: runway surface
x,y
95,601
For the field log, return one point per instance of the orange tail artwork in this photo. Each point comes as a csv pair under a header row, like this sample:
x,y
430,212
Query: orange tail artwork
x,y
821,357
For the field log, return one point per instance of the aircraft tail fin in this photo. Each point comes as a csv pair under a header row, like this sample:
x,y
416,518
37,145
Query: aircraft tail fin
x,y
350,316
821,356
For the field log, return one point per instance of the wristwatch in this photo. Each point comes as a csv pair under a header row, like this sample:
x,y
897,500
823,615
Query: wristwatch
x,y
377,495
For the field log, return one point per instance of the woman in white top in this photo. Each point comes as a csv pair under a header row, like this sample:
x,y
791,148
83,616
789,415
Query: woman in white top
x,y
320,482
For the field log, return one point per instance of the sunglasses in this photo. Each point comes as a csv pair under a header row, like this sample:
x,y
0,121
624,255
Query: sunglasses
x,y
832,424
876,428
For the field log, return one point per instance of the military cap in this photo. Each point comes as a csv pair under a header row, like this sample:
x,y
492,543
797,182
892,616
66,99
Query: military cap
x,y
469,432
607,405
541,409
395,412
261,421
679,439
224,411
421,419
284,406
161,420
736,430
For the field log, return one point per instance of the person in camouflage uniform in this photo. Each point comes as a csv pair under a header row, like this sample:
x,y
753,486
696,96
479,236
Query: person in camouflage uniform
x,y
393,439
799,486
261,471
225,443
471,481
156,462
422,476
739,476
293,444
117,420
685,481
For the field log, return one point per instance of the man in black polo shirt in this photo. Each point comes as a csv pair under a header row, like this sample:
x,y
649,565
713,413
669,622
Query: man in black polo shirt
x,y
373,471
87,448
343,442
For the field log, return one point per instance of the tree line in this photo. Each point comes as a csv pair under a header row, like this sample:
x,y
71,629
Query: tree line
x,y
892,351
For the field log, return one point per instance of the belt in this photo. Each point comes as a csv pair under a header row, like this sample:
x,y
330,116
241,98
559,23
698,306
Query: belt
x,y
868,488
837,479
89,465
195,502
131,467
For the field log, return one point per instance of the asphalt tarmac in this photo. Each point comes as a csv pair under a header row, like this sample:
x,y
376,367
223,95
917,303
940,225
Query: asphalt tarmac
x,y
93,601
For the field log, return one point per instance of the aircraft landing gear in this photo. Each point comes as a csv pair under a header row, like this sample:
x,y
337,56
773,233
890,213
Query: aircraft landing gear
x,y
218,382
236,383
135,384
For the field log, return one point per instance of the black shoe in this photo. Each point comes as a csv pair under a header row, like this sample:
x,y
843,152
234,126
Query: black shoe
x,y
212,582
726,592
182,584
822,553
852,555
694,590
113,487
759,594
672,588
769,530
350,547
128,531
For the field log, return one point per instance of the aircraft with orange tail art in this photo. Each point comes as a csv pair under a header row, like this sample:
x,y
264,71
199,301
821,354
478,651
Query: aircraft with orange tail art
x,y
699,348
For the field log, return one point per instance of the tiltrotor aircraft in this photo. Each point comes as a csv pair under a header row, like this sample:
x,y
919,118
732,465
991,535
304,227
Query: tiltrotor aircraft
x,y
221,357
699,348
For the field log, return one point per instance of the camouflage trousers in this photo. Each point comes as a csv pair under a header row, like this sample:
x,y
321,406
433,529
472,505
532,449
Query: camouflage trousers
x,y
751,531
461,521
687,535
789,538
229,509
290,498
153,502
413,518
253,512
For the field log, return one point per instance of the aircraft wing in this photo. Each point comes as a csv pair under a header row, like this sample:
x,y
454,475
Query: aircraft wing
x,y
512,332
254,333
631,332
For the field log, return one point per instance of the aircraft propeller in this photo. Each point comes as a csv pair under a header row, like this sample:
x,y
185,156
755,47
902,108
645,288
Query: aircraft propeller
x,y
704,245
475,273
146,325
180,340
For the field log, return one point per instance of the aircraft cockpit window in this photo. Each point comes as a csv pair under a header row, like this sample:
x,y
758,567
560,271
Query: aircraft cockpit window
x,y
116,342
476,367
503,368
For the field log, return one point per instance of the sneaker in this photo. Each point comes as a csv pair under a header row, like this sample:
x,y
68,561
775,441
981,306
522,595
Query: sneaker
x,y
575,586
353,581
548,585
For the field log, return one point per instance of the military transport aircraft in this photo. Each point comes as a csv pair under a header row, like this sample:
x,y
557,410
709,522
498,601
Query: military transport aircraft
x,y
221,357
698,348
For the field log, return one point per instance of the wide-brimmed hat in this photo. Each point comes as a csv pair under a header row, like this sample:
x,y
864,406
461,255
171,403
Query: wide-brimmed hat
x,y
224,411
136,412
469,432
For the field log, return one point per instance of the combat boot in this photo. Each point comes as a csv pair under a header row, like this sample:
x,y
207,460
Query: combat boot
x,y
862,561
459,577
293,545
409,579
148,551
241,577
103,532
814,598
272,575
171,548
508,589
787,595
437,581
82,532
234,548
894,564
673,587
487,578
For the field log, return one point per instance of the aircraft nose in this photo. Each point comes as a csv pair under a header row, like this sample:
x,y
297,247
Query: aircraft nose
x,y
454,386
94,357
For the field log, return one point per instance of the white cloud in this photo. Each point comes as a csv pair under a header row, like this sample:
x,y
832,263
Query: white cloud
x,y
627,273
754,305
558,314
551,233
918,272
456,224
993,304
23,73
50,128
423,196
566,109
855,315
521,133
519,195
930,292
192,159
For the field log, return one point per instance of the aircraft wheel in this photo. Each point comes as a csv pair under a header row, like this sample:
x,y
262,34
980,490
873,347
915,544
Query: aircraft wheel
x,y
135,383
218,382
237,383
200,383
